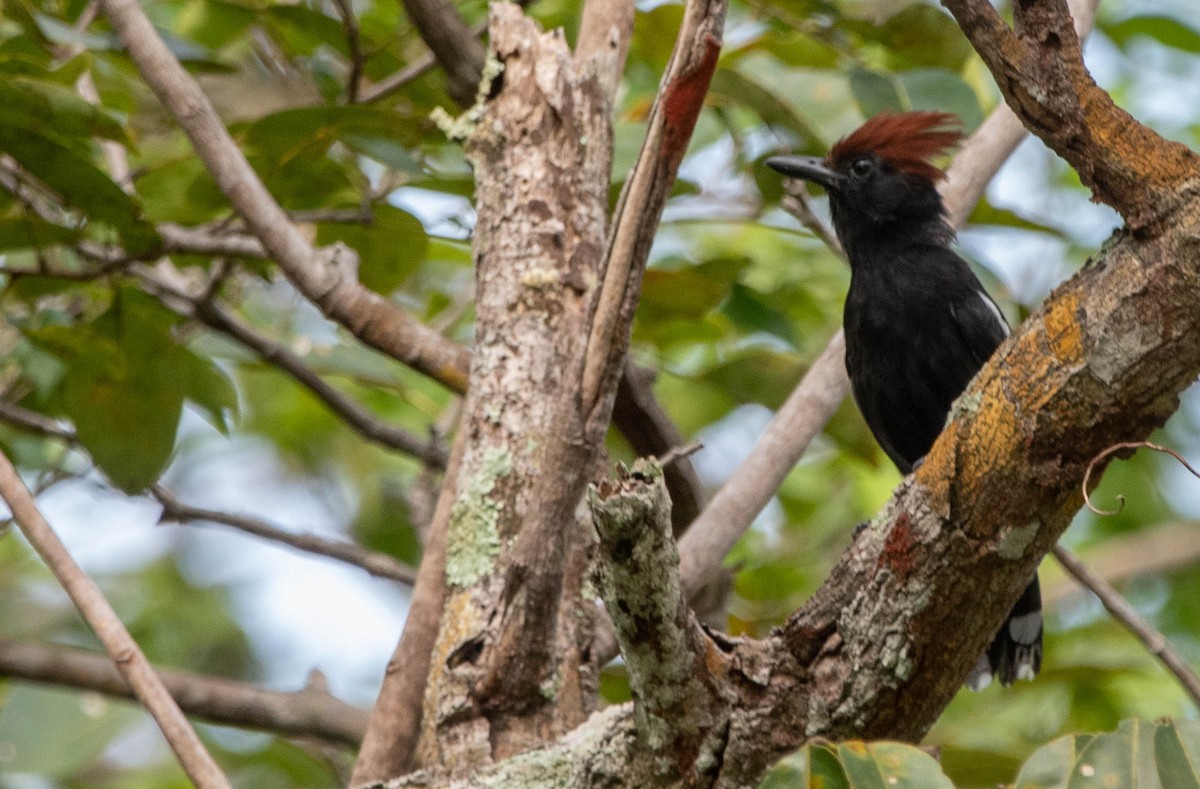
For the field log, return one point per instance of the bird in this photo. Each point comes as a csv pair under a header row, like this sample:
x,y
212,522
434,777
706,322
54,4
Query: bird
x,y
918,323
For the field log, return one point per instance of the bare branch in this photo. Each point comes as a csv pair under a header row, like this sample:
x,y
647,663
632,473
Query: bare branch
x,y
216,315
354,45
377,564
604,33
1039,69
635,221
328,276
1154,641
306,713
130,661
452,42
395,721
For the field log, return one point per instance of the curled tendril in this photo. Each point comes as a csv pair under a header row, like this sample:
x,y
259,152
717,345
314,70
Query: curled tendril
x,y
1087,475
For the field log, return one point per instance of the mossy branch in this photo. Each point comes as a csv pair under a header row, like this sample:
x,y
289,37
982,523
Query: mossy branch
x,y
638,578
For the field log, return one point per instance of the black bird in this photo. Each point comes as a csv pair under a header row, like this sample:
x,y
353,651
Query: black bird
x,y
918,323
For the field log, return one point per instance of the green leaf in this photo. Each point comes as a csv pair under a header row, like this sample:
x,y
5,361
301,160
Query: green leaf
x,y
300,30
55,111
81,183
875,93
126,415
53,732
1163,29
940,90
389,250
208,388
1140,754
732,88
857,765
30,232
752,314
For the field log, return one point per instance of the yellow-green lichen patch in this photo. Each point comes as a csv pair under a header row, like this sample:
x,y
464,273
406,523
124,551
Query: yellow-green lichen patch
x,y
460,128
474,539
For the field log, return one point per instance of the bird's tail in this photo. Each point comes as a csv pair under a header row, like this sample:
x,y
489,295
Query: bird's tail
x,y
1016,651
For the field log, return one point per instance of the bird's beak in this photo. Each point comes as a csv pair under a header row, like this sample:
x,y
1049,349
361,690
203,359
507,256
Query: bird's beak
x,y
810,168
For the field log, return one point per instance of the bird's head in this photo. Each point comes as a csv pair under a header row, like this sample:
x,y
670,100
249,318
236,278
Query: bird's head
x,y
880,178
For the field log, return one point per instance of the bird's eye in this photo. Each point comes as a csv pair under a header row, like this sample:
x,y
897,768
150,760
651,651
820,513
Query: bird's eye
x,y
860,166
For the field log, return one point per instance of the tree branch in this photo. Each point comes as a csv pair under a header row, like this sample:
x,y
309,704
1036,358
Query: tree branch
x,y
377,564
86,596
167,285
605,30
1120,609
635,220
1039,69
660,638
452,42
395,720
327,276
305,713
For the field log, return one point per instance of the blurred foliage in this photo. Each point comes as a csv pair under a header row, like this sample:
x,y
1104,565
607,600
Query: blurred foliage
x,y
1139,755
737,302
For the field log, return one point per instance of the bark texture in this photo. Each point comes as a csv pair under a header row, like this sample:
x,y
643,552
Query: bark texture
x,y
887,640
508,671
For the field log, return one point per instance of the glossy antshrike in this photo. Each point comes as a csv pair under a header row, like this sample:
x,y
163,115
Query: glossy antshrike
x,y
918,323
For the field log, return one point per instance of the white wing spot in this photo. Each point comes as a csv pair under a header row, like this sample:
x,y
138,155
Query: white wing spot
x,y
991,305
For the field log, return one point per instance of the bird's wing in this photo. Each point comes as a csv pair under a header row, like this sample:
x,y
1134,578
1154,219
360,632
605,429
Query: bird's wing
x,y
979,321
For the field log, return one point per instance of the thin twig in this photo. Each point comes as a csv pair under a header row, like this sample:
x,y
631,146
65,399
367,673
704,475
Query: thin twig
x,y
1087,475
353,45
219,317
306,713
1124,613
796,203
376,564
31,420
675,454
130,660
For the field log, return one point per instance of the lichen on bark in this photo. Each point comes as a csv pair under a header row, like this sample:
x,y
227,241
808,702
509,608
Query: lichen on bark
x,y
473,541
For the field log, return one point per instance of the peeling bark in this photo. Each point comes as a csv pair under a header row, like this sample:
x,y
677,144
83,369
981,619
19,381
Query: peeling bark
x,y
507,672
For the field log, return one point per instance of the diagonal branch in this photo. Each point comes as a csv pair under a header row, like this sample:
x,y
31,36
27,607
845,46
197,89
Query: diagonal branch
x,y
325,276
635,221
452,42
306,713
377,564
130,660
1154,641
1039,69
